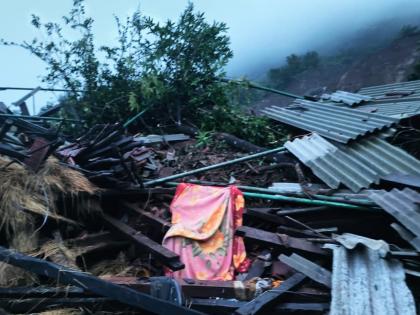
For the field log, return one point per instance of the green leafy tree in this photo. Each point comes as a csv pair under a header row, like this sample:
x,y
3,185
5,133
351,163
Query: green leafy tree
x,y
295,64
165,68
409,30
310,60
165,71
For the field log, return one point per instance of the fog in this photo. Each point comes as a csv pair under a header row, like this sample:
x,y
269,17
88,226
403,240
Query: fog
x,y
263,32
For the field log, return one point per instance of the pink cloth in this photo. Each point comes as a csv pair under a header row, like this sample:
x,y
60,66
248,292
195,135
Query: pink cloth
x,y
204,219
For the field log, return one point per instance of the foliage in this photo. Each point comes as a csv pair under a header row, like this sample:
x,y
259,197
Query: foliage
x,y
165,70
295,64
409,30
258,130
203,138
415,75
168,68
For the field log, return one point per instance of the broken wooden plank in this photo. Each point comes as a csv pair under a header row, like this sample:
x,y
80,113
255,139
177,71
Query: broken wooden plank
x,y
223,306
39,151
256,270
213,306
259,264
265,214
296,232
151,219
37,305
279,240
42,291
161,253
308,268
193,288
64,275
318,308
268,298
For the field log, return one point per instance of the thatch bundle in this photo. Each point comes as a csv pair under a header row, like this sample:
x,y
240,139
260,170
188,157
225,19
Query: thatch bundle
x,y
65,311
24,193
120,266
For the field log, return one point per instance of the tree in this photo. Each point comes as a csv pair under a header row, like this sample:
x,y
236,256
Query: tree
x,y
295,64
167,69
311,60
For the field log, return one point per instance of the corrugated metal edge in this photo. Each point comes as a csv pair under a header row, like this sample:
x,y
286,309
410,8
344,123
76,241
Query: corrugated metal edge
x,y
335,122
402,205
349,98
365,283
410,85
399,110
357,165
351,241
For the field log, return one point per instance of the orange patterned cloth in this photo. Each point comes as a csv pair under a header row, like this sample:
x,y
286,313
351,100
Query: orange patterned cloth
x,y
204,219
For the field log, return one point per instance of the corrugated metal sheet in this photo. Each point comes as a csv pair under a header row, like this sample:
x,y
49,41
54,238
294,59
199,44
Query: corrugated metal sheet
x,y
351,241
363,282
348,98
380,91
405,179
150,139
334,122
394,109
356,165
403,205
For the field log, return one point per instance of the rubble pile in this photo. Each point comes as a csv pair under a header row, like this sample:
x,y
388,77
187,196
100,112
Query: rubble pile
x,y
151,224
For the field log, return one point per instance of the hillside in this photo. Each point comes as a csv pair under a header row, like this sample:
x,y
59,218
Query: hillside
x,y
392,63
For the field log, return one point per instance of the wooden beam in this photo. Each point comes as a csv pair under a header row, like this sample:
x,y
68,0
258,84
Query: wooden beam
x,y
223,306
317,308
151,219
141,241
42,291
37,305
193,288
308,268
268,298
265,214
64,275
221,289
279,240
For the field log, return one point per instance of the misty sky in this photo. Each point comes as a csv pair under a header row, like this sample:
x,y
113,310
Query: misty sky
x,y
262,32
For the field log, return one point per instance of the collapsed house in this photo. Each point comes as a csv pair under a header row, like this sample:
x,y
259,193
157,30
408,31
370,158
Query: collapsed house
x,y
151,224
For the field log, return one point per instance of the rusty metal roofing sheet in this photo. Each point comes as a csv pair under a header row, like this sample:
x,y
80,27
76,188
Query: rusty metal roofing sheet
x,y
393,109
363,282
348,98
381,91
357,165
335,122
403,205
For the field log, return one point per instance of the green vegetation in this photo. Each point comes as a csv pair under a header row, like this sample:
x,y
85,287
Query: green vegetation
x,y
409,30
167,71
295,64
415,75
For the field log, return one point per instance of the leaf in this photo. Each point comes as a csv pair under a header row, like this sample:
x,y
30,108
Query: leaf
x,y
132,102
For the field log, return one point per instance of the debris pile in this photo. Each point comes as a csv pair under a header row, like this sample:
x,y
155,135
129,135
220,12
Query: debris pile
x,y
138,224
